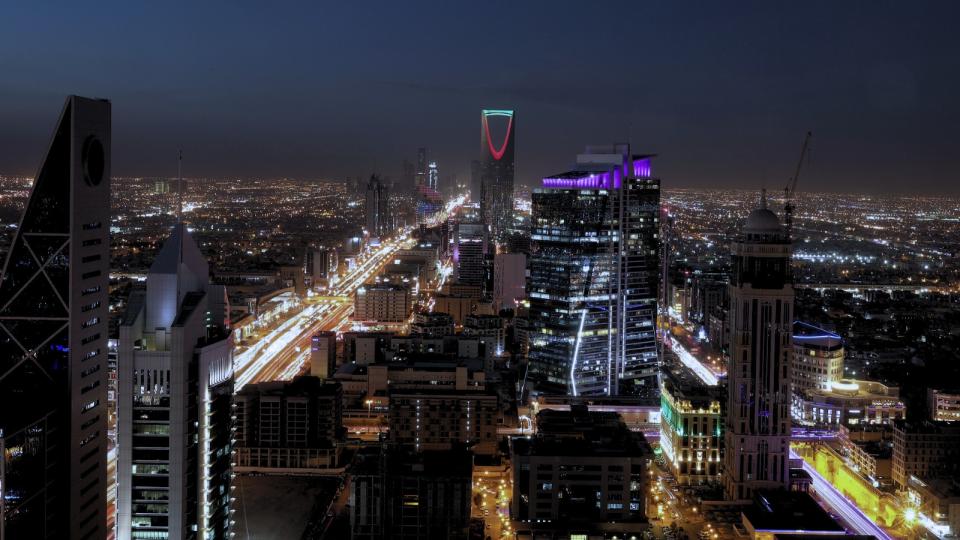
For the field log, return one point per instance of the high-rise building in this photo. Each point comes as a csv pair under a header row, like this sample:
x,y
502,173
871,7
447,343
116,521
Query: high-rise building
x,y
421,179
53,334
433,176
175,362
593,273
496,172
758,424
378,222
469,249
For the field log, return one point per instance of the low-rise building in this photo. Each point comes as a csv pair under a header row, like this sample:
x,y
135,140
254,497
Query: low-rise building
x,y
776,513
288,426
817,358
401,495
382,303
432,324
690,427
943,404
849,402
924,450
581,468
487,327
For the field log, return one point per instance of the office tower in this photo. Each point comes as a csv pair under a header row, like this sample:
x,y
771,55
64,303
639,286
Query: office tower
x,y
289,426
757,434
174,404
509,280
421,167
54,300
593,272
469,249
323,354
496,172
433,176
378,221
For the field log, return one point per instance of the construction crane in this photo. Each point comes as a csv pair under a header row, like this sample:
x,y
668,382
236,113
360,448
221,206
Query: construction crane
x,y
791,187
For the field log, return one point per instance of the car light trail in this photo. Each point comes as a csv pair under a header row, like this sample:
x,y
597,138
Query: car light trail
x,y
700,370
841,505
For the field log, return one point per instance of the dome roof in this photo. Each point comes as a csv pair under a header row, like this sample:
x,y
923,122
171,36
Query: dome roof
x,y
762,220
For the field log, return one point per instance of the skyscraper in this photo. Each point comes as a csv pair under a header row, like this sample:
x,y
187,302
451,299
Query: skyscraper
x,y
53,339
378,220
496,174
175,361
757,431
593,277
421,167
433,176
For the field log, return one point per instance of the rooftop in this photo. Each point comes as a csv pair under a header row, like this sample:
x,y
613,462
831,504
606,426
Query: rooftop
x,y
789,511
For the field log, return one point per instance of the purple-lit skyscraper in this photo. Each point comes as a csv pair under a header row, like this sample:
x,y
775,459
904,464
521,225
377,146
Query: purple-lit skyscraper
x,y
593,276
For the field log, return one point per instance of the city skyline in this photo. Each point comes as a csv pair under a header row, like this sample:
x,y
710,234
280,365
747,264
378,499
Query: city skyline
x,y
880,108
265,283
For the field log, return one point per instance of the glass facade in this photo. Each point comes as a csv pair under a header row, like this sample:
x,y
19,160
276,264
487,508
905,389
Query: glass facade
x,y
52,430
592,287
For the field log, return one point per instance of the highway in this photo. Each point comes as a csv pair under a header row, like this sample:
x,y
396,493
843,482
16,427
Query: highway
x,y
842,506
283,351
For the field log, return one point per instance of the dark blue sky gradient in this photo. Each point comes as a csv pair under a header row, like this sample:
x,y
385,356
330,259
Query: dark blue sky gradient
x,y
723,91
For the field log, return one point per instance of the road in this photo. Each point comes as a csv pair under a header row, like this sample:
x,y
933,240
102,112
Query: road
x,y
283,351
842,506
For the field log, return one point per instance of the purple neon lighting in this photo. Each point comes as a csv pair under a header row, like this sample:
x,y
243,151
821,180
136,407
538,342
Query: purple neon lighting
x,y
497,154
602,180
641,168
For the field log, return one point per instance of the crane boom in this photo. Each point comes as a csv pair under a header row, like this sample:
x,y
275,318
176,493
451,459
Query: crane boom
x,y
791,187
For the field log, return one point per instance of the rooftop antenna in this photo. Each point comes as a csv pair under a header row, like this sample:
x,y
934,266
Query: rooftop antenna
x,y
763,198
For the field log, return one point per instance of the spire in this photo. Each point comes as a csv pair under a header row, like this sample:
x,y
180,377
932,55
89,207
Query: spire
x,y
763,198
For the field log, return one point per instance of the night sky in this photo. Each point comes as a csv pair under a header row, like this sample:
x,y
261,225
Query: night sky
x,y
722,91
